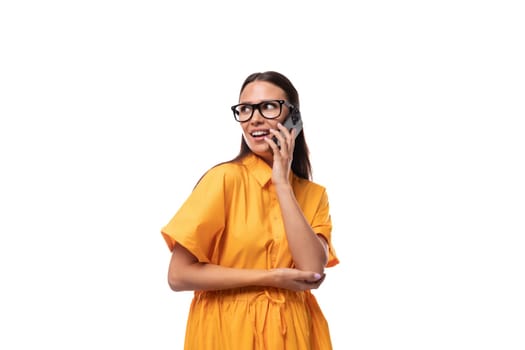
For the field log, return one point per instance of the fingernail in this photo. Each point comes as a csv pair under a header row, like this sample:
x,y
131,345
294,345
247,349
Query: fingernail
x,y
317,276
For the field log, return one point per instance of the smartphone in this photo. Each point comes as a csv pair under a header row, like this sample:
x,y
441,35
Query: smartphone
x,y
293,121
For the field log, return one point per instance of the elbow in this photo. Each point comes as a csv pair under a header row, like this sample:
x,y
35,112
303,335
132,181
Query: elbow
x,y
315,263
317,267
323,261
320,270
176,283
325,252
181,269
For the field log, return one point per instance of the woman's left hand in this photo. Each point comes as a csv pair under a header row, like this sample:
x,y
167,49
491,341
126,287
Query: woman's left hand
x,y
282,158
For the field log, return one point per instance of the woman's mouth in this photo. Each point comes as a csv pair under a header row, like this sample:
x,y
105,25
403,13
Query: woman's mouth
x,y
259,134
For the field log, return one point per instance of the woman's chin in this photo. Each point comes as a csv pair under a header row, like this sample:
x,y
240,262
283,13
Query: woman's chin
x,y
262,150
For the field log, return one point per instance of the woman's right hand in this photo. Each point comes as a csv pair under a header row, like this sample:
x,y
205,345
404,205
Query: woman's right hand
x,y
294,279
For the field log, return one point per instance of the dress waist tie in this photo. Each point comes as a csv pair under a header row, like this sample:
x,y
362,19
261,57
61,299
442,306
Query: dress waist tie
x,y
280,302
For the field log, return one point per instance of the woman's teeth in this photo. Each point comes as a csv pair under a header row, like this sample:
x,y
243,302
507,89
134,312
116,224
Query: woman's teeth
x,y
259,133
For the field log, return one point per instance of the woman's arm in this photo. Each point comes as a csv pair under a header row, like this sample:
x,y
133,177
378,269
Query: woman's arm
x,y
185,272
309,250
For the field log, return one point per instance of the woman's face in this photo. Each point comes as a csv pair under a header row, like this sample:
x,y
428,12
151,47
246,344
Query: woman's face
x,y
257,128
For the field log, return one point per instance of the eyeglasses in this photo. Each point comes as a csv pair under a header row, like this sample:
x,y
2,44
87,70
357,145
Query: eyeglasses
x,y
270,109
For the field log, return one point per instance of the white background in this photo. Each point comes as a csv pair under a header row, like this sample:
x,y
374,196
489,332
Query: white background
x,y
413,110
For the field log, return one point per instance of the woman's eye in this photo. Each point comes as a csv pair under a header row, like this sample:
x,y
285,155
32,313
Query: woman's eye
x,y
245,109
268,106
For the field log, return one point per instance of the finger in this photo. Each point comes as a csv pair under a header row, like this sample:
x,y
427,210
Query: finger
x,y
272,144
313,277
293,134
280,137
321,280
308,285
288,134
283,129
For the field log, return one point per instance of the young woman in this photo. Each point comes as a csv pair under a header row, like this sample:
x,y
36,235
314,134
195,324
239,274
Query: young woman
x,y
254,236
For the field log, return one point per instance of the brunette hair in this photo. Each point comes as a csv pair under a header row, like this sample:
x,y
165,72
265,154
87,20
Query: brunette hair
x,y
301,156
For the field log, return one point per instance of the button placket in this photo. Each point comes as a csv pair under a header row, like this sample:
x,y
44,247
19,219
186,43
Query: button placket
x,y
275,224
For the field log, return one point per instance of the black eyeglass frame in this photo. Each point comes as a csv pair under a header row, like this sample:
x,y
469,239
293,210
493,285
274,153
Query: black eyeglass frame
x,y
257,106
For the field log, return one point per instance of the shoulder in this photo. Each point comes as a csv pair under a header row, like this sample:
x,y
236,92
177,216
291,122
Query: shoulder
x,y
313,200
309,185
310,193
225,172
226,169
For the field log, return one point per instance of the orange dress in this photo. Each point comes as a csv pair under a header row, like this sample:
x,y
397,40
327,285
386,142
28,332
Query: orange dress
x,y
232,218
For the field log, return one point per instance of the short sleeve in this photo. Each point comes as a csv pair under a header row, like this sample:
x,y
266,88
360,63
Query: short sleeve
x,y
322,224
200,221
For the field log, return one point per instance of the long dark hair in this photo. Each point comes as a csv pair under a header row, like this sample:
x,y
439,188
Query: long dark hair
x,y
301,156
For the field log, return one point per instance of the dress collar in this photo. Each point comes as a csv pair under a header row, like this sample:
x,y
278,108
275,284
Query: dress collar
x,y
260,169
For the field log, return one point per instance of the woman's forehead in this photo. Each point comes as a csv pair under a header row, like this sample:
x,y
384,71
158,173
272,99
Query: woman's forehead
x,y
257,91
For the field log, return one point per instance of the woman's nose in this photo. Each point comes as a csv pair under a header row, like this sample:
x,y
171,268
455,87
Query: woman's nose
x,y
257,116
